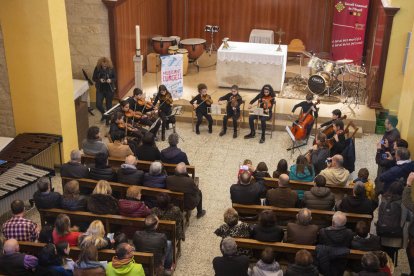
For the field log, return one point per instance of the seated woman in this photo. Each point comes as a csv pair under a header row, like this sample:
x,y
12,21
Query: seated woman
x,y
267,265
95,235
93,143
64,232
302,170
101,201
119,148
282,168
132,206
261,171
101,170
50,263
165,210
88,263
148,151
267,230
71,199
63,250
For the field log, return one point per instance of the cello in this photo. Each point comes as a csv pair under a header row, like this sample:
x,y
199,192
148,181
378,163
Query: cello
x,y
305,119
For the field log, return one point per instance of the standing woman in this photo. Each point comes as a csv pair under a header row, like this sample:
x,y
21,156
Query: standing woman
x,y
266,99
104,77
164,108
200,103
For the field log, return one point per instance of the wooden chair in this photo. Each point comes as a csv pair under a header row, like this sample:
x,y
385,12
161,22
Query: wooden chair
x,y
296,49
146,259
350,134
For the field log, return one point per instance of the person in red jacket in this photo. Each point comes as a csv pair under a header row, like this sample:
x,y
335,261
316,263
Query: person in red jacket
x,y
132,206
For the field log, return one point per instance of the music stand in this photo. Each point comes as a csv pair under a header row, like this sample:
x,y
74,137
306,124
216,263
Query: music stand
x,y
215,110
258,111
294,141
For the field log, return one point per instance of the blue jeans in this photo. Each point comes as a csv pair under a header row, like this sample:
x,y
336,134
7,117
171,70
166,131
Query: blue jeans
x,y
168,261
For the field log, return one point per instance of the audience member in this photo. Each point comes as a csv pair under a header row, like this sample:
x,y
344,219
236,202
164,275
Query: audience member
x,y
230,263
119,148
165,210
74,168
44,198
370,265
151,241
408,204
363,240
267,230
50,262
232,227
148,151
358,202
261,171
336,235
267,265
93,144
128,172
302,170
12,262
391,132
88,263
101,170
246,191
282,168
363,176
132,206
64,232
172,154
123,262
156,176
319,153
319,197
383,260
401,170
182,182
63,250
335,173
303,265
71,199
247,166
18,227
385,158
282,196
302,232
120,238
101,201
95,235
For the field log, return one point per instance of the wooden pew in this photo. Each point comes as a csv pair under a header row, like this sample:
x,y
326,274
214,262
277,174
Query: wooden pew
x,y
306,186
119,188
141,165
48,216
292,212
146,259
285,248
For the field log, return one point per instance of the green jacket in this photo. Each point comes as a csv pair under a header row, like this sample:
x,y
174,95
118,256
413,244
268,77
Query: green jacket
x,y
131,268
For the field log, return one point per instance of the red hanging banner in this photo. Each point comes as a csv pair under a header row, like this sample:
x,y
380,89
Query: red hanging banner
x,y
348,31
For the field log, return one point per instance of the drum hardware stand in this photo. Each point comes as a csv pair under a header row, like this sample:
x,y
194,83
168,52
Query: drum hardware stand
x,y
211,29
280,33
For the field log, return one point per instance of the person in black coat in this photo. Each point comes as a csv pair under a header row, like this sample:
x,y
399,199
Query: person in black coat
x,y
385,157
101,201
164,109
230,264
104,77
128,172
371,265
201,102
267,230
247,191
303,265
336,235
148,151
339,139
336,115
44,198
319,153
101,170
172,154
401,170
357,203
74,168
233,101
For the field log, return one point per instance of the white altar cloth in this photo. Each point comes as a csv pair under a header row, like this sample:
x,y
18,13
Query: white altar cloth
x,y
262,36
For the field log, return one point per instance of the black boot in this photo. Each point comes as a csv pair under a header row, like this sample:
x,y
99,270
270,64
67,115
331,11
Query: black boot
x,y
223,132
210,129
197,131
235,134
252,134
262,140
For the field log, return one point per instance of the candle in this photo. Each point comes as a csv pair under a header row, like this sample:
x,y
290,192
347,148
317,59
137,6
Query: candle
x,y
138,38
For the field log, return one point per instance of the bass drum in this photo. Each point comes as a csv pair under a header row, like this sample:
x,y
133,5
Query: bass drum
x,y
319,82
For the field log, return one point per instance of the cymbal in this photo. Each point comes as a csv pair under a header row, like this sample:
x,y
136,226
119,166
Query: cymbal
x,y
307,54
342,61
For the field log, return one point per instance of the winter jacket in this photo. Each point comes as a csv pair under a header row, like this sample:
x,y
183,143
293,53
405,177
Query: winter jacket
x,y
183,183
358,205
102,204
331,259
154,181
368,185
74,204
336,176
173,155
119,150
302,234
92,147
102,174
231,265
370,243
336,236
74,170
264,269
89,269
320,198
124,267
248,194
306,176
47,200
295,270
395,173
133,208
148,153
260,175
152,242
129,174
282,197
267,234
319,157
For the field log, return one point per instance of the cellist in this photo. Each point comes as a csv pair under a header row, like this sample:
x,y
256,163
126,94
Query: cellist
x,y
233,101
306,106
336,114
266,99
200,104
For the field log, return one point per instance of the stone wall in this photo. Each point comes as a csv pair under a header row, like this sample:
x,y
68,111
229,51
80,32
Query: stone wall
x,y
88,30
6,110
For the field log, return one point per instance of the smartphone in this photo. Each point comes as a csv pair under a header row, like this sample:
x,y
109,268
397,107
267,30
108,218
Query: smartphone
x,y
110,236
384,156
382,142
244,167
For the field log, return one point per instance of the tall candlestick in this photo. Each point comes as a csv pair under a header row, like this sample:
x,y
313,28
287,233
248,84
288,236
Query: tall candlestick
x,y
138,42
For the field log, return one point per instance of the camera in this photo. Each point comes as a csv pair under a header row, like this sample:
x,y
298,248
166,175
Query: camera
x,y
328,160
382,142
384,156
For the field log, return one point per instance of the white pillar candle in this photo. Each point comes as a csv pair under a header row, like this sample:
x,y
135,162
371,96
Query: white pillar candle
x,y
138,38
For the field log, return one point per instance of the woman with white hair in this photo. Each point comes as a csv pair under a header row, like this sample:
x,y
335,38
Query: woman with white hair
x,y
156,176
230,263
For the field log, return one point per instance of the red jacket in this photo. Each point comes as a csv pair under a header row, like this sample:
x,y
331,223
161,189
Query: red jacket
x,y
133,208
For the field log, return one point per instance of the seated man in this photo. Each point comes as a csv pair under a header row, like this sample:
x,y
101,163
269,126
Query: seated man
x,y
44,198
335,173
123,262
27,229
182,182
230,263
74,168
371,265
364,240
246,191
119,148
101,170
401,170
151,241
319,197
336,235
12,262
358,202
128,172
302,232
172,154
282,196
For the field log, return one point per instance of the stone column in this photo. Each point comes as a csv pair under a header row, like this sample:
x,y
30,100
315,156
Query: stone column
x,y
138,71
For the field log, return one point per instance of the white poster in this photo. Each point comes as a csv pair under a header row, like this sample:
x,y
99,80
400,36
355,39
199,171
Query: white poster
x,y
172,74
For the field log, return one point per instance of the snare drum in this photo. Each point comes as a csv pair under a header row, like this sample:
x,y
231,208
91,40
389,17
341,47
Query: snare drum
x,y
329,67
194,46
172,50
161,44
314,62
319,82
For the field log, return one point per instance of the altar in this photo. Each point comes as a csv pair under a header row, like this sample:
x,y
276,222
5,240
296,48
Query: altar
x,y
251,65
